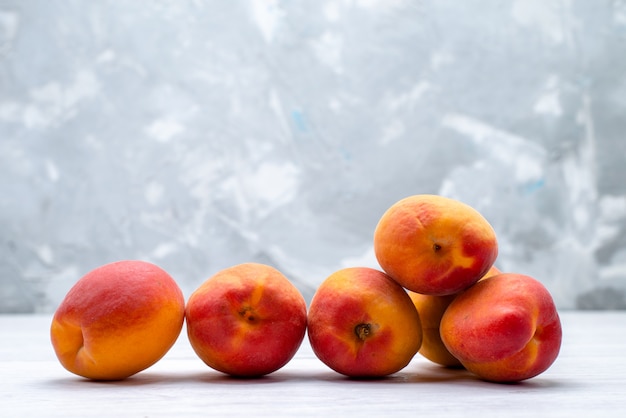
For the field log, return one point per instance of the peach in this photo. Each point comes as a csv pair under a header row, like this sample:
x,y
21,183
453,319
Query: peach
x,y
117,320
493,271
431,308
363,324
503,329
434,245
247,320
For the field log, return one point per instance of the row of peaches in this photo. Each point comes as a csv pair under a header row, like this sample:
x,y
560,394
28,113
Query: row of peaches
x,y
437,293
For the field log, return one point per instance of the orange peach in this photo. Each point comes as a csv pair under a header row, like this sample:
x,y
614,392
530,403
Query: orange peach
x,y
117,320
503,329
246,320
493,271
363,324
431,308
434,245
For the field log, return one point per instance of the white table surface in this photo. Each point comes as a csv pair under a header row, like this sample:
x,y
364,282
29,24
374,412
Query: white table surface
x,y
587,380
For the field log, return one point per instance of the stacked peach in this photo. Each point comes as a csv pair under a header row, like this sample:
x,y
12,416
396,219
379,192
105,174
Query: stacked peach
x,y
439,254
503,327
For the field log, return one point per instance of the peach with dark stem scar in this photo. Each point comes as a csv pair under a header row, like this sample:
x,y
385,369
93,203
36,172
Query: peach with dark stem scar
x,y
434,245
363,324
247,320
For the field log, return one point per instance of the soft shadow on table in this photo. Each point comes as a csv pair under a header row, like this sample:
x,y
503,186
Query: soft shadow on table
x,y
148,378
435,374
141,379
425,374
278,377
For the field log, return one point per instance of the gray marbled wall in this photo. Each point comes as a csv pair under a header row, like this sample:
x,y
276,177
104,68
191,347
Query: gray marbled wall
x,y
201,134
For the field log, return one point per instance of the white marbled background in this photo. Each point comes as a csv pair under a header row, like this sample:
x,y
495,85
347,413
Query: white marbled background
x,y
201,134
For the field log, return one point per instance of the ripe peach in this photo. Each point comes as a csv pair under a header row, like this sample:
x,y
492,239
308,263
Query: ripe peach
x,y
493,271
431,309
117,320
503,329
363,324
434,245
246,320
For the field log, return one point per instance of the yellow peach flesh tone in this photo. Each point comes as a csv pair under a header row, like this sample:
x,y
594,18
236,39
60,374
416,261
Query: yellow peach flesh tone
x,y
117,320
434,245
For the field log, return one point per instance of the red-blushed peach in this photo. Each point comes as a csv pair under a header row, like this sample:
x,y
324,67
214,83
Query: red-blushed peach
x,y
117,320
362,323
434,245
247,320
431,309
503,329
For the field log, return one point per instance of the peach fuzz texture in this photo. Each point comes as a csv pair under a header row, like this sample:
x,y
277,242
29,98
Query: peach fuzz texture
x,y
505,328
246,320
434,245
117,320
355,297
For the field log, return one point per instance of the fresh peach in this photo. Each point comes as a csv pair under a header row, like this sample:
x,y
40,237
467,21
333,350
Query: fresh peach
x,y
247,320
431,309
117,320
434,245
503,329
493,271
363,324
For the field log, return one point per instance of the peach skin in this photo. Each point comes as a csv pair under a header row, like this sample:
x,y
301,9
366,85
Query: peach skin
x,y
363,324
434,245
247,320
117,320
431,309
503,329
